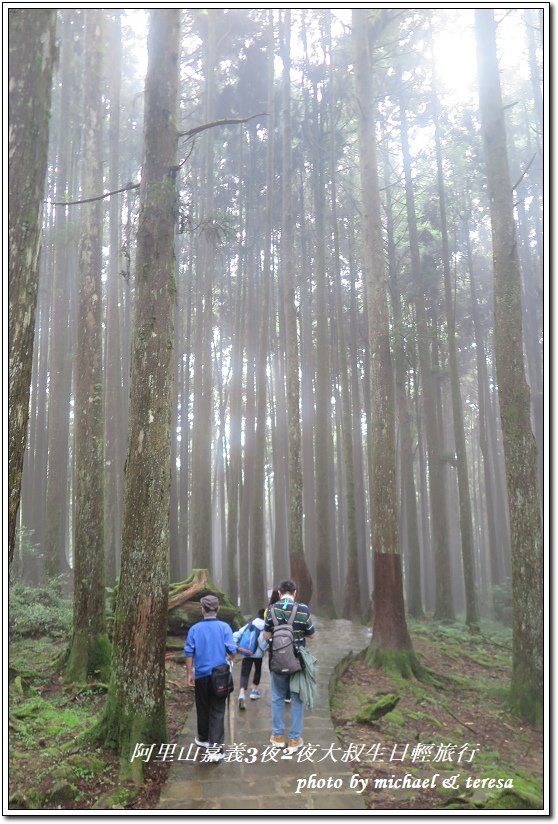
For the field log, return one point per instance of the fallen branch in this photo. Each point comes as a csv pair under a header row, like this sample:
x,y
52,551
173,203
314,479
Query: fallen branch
x,y
188,594
468,726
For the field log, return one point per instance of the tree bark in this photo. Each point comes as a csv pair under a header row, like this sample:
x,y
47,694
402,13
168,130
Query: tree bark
x,y
390,635
114,469
30,65
465,516
135,706
444,609
89,653
513,392
299,570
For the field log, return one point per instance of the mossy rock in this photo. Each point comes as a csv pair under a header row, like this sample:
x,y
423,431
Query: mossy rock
x,y
376,709
396,717
117,799
61,793
461,804
514,799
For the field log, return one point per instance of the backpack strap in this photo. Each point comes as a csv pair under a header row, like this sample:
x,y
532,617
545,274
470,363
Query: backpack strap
x,y
292,616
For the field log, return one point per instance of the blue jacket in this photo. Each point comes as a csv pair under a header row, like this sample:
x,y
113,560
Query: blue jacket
x,y
208,643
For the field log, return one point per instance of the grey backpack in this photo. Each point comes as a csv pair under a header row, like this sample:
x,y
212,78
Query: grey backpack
x,y
284,659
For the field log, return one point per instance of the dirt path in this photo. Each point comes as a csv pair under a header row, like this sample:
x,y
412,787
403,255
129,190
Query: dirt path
x,y
251,776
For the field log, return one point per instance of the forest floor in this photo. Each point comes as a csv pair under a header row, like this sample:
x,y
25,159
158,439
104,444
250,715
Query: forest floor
x,y
459,729
49,767
464,719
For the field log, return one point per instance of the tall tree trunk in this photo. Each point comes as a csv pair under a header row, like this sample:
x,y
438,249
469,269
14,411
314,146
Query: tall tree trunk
x,y
513,392
279,434
323,439
299,570
408,491
489,472
30,65
113,357
89,648
465,516
364,561
391,643
200,507
351,606
135,706
258,505
438,505
60,349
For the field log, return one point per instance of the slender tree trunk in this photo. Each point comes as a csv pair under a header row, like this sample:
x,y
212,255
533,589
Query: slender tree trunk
x,y
258,501
60,349
323,439
30,67
299,570
513,392
351,607
391,643
89,649
438,505
200,509
280,446
465,516
408,491
113,357
489,472
135,705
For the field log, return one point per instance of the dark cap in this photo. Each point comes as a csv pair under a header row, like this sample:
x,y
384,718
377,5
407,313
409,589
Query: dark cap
x,y
210,603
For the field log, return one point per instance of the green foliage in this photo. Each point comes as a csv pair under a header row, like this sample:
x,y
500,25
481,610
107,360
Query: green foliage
x,y
27,548
503,602
35,611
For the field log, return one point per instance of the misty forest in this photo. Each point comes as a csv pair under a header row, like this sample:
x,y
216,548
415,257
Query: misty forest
x,y
275,311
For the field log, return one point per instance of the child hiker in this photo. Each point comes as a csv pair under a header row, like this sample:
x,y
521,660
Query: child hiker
x,y
251,645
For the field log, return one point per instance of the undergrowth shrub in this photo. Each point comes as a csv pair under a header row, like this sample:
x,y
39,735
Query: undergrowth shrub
x,y
35,611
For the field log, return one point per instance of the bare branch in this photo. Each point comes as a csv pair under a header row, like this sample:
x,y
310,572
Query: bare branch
x,y
125,188
514,187
224,122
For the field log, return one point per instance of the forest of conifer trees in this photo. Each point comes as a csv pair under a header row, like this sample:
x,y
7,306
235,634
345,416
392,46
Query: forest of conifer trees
x,y
276,309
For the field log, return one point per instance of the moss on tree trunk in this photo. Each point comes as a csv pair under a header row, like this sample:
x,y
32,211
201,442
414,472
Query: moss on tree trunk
x,y
135,707
31,41
520,451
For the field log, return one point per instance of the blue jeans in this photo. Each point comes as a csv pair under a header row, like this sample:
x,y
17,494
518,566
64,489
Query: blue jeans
x,y
279,687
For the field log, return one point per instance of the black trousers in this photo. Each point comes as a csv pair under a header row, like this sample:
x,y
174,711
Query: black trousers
x,y
245,668
210,710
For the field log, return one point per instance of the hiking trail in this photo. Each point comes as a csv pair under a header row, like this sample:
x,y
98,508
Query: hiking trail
x,y
266,783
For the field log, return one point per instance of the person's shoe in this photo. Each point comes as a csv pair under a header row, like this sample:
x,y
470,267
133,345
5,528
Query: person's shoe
x,y
278,741
201,743
241,705
294,745
287,700
255,694
215,756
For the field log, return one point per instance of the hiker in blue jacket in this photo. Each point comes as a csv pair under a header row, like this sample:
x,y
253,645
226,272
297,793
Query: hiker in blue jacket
x,y
247,661
209,644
